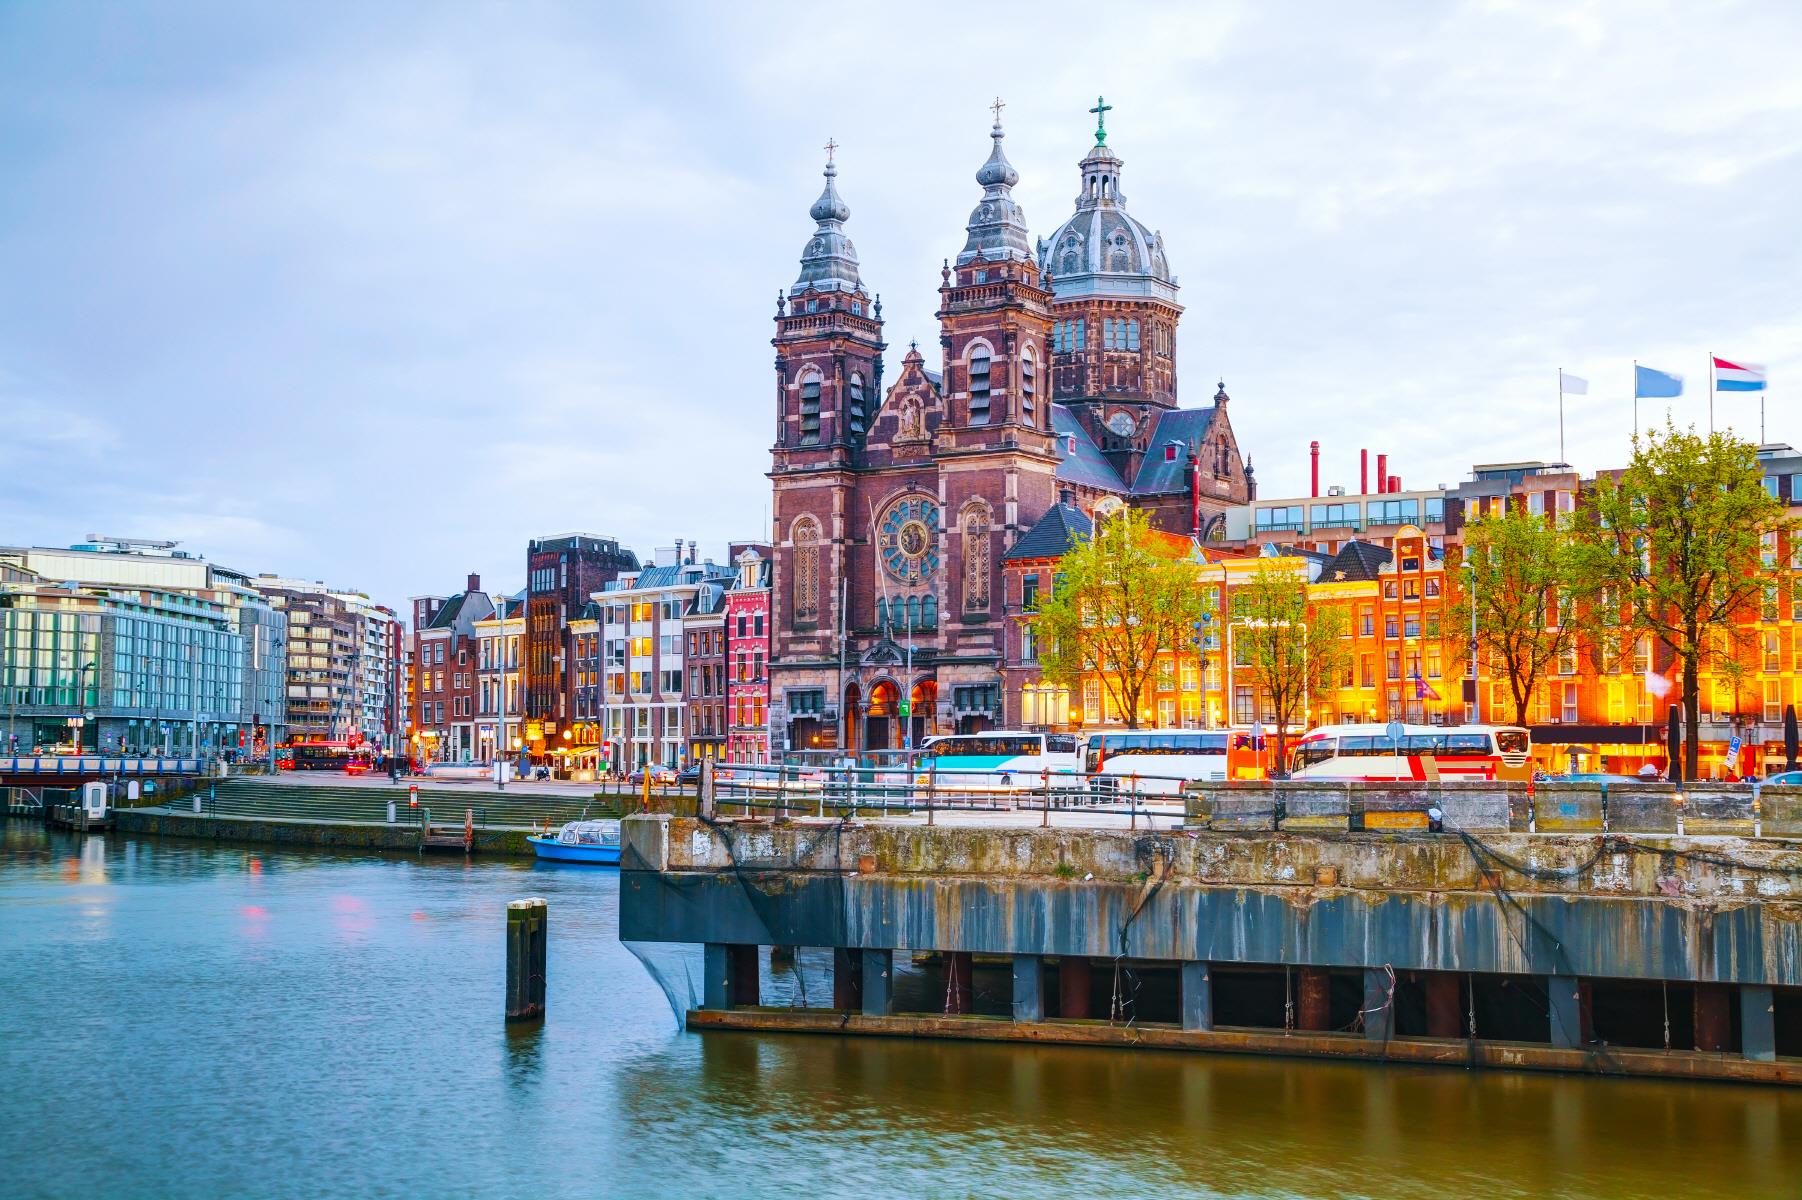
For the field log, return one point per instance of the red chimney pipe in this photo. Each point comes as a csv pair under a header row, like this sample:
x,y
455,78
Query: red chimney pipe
x,y
1382,473
1395,483
1314,457
1363,472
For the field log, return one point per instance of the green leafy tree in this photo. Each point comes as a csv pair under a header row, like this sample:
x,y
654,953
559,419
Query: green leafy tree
x,y
1527,584
1678,537
1289,649
1123,595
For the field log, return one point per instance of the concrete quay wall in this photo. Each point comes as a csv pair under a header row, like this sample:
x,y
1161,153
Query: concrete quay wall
x,y
1713,909
330,835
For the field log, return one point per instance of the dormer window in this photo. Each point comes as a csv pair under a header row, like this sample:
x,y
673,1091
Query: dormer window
x,y
979,387
1170,452
810,411
982,277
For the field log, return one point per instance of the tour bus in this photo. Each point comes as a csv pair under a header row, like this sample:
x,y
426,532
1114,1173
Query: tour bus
x,y
325,756
1413,753
999,758
1157,761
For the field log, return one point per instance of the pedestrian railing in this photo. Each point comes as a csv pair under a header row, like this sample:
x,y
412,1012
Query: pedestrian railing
x,y
803,787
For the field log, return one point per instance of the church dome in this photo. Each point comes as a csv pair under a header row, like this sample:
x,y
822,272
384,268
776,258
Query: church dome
x,y
1103,250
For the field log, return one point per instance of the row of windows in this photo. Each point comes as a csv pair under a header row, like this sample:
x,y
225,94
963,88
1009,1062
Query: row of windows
x,y
899,615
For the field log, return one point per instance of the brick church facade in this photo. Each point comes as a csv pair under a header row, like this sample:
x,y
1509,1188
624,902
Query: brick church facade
x,y
895,504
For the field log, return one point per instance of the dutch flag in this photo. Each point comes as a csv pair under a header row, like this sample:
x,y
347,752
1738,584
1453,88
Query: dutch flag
x,y
1738,377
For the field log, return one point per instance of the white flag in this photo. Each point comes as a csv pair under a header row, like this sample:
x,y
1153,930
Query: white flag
x,y
1657,684
1573,385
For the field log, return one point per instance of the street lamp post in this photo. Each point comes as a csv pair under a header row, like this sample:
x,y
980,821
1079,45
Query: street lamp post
x,y
1476,702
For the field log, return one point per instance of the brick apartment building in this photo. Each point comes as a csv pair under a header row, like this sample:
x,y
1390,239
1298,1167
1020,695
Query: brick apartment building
x,y
446,651
562,573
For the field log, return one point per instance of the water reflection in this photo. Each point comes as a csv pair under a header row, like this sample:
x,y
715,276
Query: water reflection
x,y
254,1007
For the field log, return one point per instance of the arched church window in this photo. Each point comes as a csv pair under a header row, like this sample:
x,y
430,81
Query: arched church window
x,y
810,408
976,560
929,612
805,585
854,406
913,612
1028,386
1132,335
979,386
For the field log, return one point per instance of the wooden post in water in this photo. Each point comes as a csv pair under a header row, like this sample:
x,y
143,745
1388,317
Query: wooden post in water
x,y
528,923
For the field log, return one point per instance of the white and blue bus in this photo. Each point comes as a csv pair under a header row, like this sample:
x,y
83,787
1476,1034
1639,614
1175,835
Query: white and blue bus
x,y
1156,761
1000,758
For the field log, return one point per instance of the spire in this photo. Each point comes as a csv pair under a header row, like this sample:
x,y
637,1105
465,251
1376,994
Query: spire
x,y
997,225
829,263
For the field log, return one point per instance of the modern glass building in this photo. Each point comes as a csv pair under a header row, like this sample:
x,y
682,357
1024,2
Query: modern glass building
x,y
133,647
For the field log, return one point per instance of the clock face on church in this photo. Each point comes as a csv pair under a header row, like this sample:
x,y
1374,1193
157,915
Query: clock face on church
x,y
907,540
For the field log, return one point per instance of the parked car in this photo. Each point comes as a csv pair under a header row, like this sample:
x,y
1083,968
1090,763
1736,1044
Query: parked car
x,y
690,775
1786,779
659,776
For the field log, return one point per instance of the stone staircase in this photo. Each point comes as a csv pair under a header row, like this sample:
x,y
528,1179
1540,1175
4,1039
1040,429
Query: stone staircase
x,y
300,802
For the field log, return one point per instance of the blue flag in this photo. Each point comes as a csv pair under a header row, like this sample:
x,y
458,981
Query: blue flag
x,y
1650,384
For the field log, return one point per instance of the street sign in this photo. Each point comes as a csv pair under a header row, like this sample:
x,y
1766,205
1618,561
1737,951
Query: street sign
x,y
1396,730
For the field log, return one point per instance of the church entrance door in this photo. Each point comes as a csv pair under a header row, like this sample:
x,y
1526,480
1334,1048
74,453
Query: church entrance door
x,y
880,718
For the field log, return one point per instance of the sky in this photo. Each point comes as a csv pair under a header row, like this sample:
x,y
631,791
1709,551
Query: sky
x,y
373,294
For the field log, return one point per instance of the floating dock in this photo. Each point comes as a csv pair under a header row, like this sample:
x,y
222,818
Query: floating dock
x,y
1660,934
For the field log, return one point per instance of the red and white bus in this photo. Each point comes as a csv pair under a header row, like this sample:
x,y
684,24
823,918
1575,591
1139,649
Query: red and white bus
x,y
353,758
1413,753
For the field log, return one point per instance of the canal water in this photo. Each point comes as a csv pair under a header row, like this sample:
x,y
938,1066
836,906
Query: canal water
x,y
188,1019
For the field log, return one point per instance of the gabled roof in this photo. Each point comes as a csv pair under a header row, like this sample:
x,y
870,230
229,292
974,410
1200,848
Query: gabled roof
x,y
1185,426
1356,562
1082,461
446,616
1053,535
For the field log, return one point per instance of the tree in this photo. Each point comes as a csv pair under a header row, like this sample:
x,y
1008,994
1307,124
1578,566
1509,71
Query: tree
x,y
1678,536
1526,586
1289,649
1123,594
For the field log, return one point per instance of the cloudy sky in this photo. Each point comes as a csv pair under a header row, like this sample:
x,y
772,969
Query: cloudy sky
x,y
375,293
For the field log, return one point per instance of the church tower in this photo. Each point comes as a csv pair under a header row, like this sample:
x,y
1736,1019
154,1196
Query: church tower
x,y
996,447
828,346
1115,311
828,383
994,321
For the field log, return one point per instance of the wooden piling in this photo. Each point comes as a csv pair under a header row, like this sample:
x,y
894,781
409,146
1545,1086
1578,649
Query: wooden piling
x,y
1313,1010
528,924
1073,983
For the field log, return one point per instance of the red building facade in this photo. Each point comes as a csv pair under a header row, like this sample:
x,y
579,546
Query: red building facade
x,y
747,627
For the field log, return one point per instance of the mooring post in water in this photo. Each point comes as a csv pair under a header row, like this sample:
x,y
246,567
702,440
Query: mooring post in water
x,y
528,923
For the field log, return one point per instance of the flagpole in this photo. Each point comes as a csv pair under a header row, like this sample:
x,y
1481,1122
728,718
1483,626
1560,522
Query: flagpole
x,y
1561,414
1636,398
1711,391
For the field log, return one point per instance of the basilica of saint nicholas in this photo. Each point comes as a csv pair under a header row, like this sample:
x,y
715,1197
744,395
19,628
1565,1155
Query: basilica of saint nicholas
x,y
896,501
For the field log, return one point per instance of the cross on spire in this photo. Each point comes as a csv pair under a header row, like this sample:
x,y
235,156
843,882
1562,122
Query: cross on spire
x,y
1101,110
831,149
996,109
